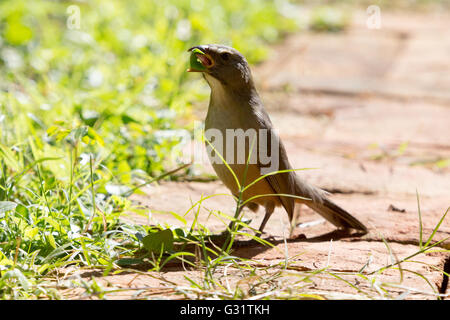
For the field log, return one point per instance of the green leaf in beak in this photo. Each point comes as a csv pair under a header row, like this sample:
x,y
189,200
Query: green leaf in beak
x,y
195,64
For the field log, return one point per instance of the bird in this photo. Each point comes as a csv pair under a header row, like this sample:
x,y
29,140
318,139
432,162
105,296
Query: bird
x,y
236,107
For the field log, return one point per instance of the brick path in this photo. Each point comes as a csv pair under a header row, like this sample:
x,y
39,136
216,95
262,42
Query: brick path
x,y
371,110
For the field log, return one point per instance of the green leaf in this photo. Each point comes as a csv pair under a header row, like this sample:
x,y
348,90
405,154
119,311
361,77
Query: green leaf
x,y
21,209
52,130
129,261
43,268
55,224
16,32
126,119
95,136
4,261
158,241
7,206
178,217
8,156
180,232
51,240
30,233
194,62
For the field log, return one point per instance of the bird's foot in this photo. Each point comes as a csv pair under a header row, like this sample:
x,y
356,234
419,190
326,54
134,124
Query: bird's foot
x,y
265,236
298,236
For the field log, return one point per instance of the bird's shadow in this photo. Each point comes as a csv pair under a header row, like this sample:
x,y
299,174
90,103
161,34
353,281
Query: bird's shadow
x,y
246,249
254,247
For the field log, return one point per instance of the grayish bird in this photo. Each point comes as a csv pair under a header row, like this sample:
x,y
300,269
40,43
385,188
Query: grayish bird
x,y
235,104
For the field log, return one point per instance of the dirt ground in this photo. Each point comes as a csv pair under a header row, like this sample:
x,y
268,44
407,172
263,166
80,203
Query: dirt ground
x,y
371,110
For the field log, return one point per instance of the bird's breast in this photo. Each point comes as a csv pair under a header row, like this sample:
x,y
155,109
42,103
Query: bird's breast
x,y
233,134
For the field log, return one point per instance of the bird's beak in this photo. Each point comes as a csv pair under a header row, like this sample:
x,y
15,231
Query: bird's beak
x,y
200,61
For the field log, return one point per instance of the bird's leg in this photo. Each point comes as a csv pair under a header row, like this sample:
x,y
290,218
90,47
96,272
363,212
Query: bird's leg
x,y
236,216
270,207
226,235
297,212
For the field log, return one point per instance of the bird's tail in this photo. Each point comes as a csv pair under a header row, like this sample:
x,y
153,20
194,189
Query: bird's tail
x,y
335,214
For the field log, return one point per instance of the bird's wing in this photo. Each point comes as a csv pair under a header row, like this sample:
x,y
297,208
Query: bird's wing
x,y
281,183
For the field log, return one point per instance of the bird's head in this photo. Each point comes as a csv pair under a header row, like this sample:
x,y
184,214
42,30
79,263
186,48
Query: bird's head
x,y
222,63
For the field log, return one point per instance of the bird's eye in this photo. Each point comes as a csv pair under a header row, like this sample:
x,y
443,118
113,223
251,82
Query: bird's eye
x,y
225,56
